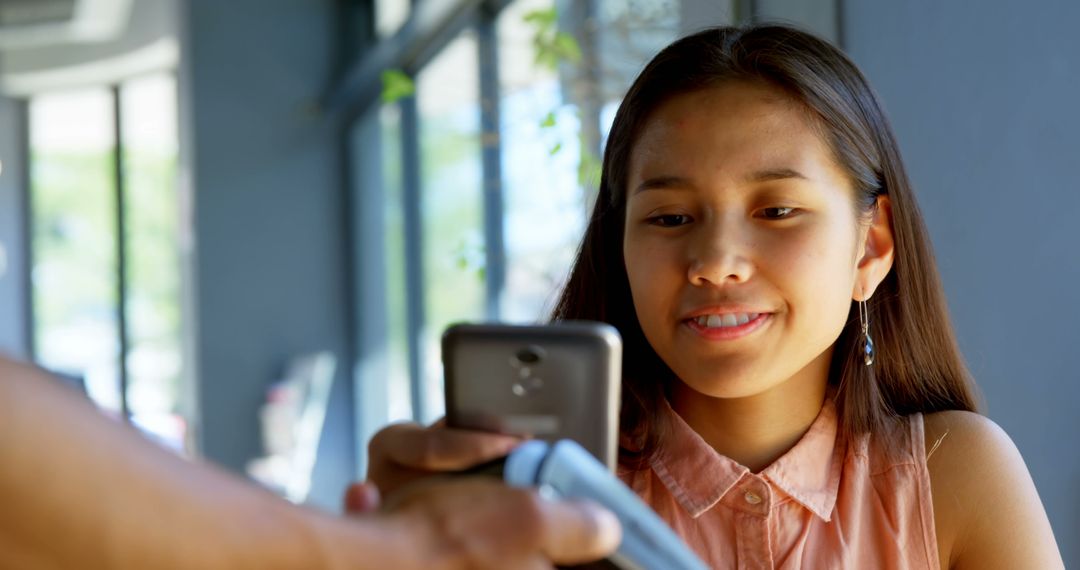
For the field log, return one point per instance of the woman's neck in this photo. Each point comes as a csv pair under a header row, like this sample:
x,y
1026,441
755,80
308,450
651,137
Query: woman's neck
x,y
757,430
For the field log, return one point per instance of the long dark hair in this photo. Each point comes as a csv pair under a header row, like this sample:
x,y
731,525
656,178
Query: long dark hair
x,y
918,367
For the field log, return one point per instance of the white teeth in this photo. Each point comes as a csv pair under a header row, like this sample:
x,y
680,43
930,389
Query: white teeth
x,y
725,320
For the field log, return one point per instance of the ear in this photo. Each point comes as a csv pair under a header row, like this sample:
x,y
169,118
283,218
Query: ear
x,y
877,252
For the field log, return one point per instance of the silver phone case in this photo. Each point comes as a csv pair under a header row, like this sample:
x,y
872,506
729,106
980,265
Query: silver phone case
x,y
571,390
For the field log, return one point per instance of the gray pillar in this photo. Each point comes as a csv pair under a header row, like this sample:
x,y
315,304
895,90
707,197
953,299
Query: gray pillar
x,y
819,17
14,278
268,258
698,14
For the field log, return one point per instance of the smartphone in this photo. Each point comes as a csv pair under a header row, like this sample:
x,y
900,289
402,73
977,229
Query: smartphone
x,y
551,382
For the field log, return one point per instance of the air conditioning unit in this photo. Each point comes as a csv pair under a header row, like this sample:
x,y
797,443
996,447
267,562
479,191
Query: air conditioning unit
x,y
28,24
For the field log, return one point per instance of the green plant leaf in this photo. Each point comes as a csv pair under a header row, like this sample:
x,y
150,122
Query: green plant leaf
x,y
547,58
566,47
549,120
543,18
396,85
555,149
589,168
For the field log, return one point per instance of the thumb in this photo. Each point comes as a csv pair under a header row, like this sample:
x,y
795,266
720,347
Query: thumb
x,y
361,498
579,531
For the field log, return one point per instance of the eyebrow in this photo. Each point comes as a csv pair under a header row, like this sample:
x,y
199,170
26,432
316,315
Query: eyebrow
x,y
662,183
671,182
776,174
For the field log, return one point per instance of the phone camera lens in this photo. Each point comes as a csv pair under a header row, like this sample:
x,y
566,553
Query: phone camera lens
x,y
529,355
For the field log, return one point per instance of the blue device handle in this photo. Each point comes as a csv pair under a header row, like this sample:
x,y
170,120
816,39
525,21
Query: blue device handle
x,y
566,470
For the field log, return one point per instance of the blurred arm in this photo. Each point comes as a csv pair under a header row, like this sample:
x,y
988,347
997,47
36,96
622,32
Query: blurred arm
x,y
79,490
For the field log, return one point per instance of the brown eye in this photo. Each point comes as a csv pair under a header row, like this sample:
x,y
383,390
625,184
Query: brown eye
x,y
670,220
777,213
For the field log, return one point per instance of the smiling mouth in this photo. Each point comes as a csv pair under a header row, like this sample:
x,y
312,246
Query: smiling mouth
x,y
726,320
726,326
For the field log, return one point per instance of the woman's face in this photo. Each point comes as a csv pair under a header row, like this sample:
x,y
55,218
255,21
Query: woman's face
x,y
741,241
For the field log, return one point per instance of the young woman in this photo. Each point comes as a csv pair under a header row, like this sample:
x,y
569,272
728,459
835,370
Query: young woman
x,y
793,392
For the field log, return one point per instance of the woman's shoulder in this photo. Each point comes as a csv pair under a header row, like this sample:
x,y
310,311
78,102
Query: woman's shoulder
x,y
970,450
967,452
985,503
973,436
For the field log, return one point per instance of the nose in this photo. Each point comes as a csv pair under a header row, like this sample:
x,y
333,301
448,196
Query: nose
x,y
719,255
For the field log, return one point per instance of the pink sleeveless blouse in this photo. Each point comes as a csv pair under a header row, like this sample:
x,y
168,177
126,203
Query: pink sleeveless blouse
x,y
826,503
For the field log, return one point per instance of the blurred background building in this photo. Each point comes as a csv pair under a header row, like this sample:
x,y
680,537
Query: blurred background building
x,y
202,201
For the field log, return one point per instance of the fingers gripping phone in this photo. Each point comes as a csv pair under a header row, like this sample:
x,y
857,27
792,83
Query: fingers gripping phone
x,y
551,382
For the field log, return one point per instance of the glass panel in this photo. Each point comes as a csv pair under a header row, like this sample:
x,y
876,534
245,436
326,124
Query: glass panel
x,y
148,110
73,239
389,16
543,200
629,34
448,99
397,357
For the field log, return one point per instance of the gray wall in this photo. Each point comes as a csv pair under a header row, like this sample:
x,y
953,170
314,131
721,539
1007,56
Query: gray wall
x,y
985,104
13,300
818,16
268,263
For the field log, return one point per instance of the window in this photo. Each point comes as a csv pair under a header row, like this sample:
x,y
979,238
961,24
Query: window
x,y
451,204
148,111
107,313
73,240
399,403
541,152
389,16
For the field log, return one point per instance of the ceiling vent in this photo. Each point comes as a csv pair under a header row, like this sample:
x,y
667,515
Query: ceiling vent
x,y
28,24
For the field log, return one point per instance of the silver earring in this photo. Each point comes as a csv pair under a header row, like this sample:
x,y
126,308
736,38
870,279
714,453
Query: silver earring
x,y
868,343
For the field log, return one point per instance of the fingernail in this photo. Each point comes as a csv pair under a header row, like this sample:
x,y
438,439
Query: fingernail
x,y
362,498
372,497
608,528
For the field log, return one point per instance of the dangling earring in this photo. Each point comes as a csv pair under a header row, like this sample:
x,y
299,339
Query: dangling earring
x,y
868,343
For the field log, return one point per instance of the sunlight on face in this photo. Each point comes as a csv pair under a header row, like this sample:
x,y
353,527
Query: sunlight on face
x,y
741,240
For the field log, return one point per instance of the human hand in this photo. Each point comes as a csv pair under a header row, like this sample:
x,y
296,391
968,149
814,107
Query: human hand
x,y
402,453
476,523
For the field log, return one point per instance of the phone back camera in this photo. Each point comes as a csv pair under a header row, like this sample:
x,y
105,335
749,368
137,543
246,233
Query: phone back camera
x,y
529,355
